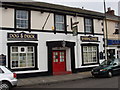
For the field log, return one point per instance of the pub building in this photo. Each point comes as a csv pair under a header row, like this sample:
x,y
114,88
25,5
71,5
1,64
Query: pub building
x,y
39,38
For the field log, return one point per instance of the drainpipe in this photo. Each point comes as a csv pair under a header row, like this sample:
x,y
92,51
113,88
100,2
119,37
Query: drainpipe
x,y
106,38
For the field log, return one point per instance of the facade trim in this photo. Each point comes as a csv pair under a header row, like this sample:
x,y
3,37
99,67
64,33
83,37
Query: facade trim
x,y
38,30
53,10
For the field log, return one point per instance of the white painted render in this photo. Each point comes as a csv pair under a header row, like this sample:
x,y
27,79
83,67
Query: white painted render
x,y
98,26
37,22
7,17
42,48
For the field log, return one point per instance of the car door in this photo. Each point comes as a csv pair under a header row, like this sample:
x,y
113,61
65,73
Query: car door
x,y
119,65
1,74
116,67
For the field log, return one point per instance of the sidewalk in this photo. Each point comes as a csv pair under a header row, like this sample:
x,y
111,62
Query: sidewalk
x,y
52,79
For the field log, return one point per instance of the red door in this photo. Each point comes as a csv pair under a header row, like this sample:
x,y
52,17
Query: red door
x,y
59,65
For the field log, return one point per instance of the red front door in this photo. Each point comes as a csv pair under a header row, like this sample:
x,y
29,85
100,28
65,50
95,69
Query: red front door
x,y
59,65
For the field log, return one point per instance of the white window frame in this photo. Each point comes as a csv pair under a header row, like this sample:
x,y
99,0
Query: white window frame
x,y
89,61
116,25
21,13
117,28
62,22
88,24
19,52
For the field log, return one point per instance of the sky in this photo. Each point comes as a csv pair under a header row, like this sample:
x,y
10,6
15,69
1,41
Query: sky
x,y
94,5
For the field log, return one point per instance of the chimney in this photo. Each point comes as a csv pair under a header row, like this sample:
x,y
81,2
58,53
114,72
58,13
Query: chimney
x,y
110,12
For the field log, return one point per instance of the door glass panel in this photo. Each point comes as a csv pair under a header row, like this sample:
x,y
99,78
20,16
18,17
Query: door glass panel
x,y
56,60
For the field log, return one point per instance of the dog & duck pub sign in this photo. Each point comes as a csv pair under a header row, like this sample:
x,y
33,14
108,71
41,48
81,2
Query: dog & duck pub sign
x,y
21,37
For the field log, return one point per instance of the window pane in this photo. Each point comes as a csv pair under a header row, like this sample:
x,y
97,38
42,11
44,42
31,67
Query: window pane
x,y
88,25
14,49
22,59
30,58
59,22
14,56
21,19
14,64
30,49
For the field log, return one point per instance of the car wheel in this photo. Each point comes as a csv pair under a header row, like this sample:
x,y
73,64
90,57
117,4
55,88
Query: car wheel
x,y
5,86
109,74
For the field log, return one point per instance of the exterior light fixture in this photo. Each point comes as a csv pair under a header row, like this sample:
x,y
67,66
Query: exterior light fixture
x,y
63,43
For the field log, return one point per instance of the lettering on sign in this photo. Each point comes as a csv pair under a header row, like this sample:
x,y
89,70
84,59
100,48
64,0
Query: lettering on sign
x,y
113,42
89,39
21,37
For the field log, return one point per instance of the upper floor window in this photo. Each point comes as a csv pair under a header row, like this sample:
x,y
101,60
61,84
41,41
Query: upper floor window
x,y
21,19
60,22
117,30
88,25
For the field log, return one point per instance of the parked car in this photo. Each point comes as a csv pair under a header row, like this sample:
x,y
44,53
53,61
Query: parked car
x,y
8,79
107,68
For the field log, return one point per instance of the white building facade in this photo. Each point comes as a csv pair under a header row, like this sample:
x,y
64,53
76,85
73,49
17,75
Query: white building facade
x,y
37,38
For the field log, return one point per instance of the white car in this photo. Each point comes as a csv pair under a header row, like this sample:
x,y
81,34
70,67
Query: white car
x,y
8,79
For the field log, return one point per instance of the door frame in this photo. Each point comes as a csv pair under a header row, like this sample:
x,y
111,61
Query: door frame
x,y
53,44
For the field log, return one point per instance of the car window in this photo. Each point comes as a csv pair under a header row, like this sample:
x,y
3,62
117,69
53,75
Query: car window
x,y
117,62
107,62
1,71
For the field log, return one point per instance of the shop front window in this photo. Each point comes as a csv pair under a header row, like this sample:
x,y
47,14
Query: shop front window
x,y
90,54
22,57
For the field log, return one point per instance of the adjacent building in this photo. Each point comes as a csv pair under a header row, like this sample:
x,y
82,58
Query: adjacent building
x,y
46,39
112,34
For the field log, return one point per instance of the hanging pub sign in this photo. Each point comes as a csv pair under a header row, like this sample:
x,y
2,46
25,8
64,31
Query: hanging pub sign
x,y
75,30
89,39
21,37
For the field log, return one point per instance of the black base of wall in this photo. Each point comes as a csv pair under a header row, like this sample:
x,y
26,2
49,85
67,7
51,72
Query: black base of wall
x,y
37,74
83,69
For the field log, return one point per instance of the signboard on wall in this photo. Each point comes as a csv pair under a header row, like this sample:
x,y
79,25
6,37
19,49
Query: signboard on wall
x,y
113,42
21,37
89,39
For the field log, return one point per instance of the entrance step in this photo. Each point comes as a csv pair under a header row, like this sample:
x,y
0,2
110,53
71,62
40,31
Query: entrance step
x,y
62,73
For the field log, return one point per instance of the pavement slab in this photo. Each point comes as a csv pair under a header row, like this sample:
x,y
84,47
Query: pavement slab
x,y
52,79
